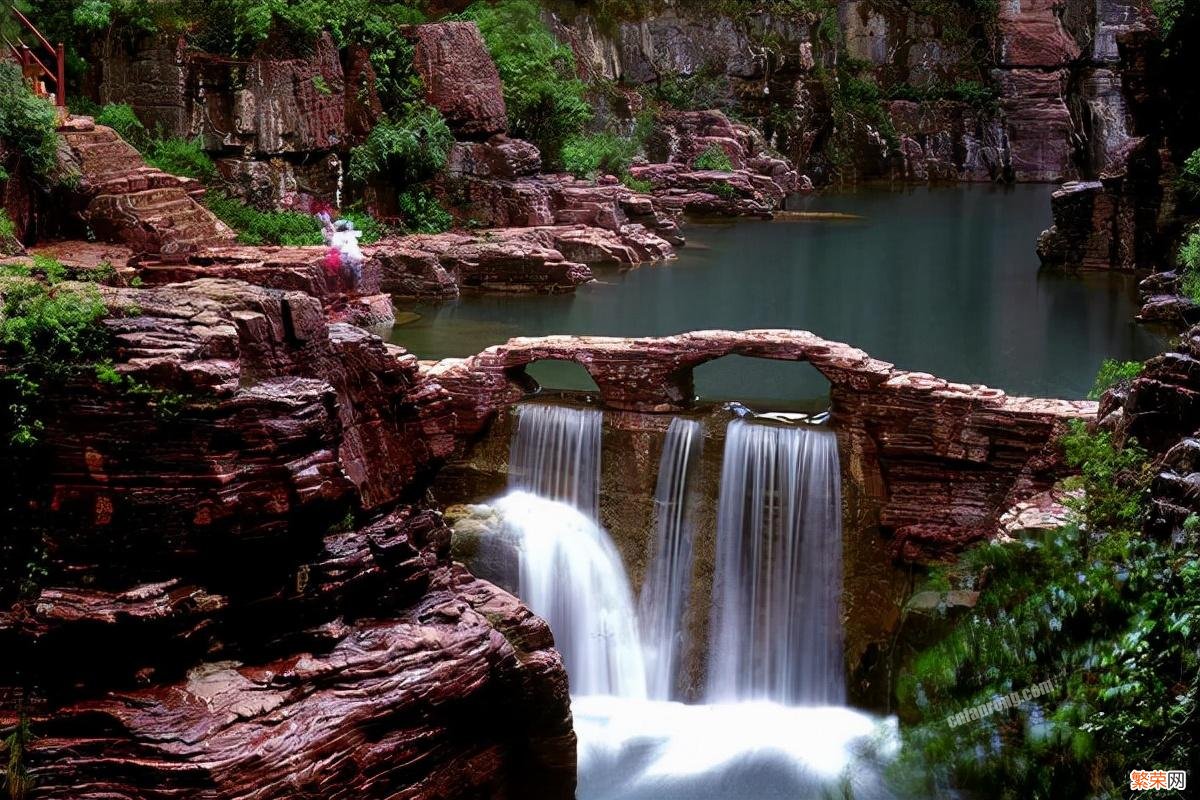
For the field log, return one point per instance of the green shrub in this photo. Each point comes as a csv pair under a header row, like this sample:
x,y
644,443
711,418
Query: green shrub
x,y
598,153
1115,626
637,185
1167,12
1115,480
723,190
181,157
281,227
1189,264
422,213
713,158
122,119
8,233
264,227
545,100
707,88
27,122
1189,176
47,330
1113,373
406,150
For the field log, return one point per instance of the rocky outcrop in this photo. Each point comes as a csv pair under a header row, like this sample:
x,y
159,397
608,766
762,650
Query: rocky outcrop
x,y
941,460
1160,411
460,78
188,532
1123,220
548,259
125,200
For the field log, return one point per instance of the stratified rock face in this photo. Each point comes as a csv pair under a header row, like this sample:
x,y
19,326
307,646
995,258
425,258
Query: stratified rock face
x,y
125,200
1038,123
460,78
1160,410
941,460
1051,64
1093,227
505,260
1116,222
249,647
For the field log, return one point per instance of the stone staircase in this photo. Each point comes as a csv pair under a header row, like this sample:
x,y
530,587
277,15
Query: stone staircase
x,y
128,201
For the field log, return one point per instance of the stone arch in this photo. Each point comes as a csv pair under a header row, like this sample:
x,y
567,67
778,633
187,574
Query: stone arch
x,y
553,374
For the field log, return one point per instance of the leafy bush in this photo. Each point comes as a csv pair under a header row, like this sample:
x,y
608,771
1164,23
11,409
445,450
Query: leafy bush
x,y
1167,12
545,99
1189,262
122,119
47,330
1114,479
27,122
974,92
1116,629
1189,176
723,190
281,227
706,88
264,227
422,213
8,232
713,158
1113,373
598,153
405,150
637,185
182,157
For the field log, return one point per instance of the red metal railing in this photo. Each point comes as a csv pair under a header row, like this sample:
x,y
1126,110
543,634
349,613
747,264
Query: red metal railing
x,y
34,69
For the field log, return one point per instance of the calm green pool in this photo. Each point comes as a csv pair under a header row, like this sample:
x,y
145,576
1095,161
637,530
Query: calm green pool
x,y
942,280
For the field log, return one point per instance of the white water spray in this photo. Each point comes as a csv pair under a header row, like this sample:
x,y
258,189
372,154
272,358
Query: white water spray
x,y
776,631
664,592
571,576
555,453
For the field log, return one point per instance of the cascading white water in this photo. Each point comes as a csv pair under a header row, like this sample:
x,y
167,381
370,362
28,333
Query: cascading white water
x,y
776,627
665,588
555,453
571,576
777,634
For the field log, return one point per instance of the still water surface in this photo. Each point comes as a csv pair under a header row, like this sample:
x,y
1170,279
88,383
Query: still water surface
x,y
941,280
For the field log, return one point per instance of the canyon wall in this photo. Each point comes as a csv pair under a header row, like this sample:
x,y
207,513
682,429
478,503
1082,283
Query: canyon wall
x,y
1027,90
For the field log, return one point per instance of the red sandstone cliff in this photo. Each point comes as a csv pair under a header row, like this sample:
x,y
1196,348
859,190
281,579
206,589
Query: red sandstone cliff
x,y
202,623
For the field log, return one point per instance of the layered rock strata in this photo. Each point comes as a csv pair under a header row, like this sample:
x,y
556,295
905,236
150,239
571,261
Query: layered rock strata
x,y
279,617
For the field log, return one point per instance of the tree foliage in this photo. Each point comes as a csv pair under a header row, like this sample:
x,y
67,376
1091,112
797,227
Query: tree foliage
x,y
27,122
545,99
1112,617
408,149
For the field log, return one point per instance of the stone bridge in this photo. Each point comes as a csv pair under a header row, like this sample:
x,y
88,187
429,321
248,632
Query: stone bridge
x,y
933,462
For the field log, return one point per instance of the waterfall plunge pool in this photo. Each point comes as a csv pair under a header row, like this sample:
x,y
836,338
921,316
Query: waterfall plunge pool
x,y
940,280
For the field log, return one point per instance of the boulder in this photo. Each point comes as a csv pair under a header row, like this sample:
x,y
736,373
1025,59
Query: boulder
x,y
460,78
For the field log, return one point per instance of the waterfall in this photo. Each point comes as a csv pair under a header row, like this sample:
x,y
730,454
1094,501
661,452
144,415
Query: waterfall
x,y
776,614
555,453
665,588
571,576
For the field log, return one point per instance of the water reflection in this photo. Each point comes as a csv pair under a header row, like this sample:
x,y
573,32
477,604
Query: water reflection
x,y
943,280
